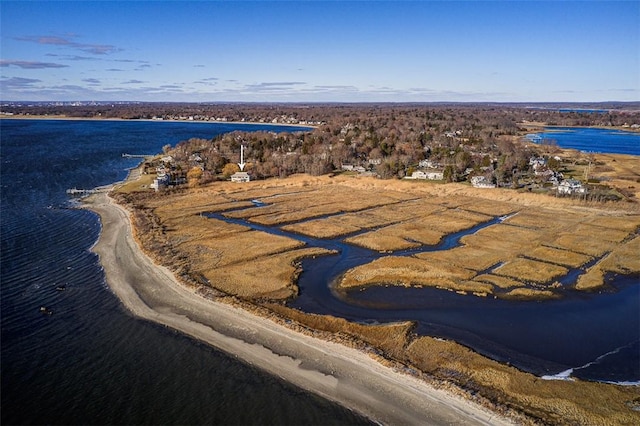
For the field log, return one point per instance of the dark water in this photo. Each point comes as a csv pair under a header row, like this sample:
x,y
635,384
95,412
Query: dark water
x,y
592,140
90,362
598,336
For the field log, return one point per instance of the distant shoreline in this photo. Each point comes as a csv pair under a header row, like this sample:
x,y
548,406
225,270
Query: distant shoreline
x,y
134,120
524,126
544,127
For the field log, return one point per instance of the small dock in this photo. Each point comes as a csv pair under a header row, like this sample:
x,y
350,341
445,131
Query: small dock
x,y
136,156
76,191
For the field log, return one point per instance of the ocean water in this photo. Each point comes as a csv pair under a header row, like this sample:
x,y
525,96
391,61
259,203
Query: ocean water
x,y
591,139
90,361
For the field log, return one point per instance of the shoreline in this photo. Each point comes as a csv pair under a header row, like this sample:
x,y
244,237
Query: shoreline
x,y
350,377
549,127
150,120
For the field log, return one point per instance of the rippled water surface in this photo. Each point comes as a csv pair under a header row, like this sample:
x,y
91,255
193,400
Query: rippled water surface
x,y
90,362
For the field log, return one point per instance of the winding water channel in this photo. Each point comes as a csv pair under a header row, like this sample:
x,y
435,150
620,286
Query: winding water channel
x,y
594,336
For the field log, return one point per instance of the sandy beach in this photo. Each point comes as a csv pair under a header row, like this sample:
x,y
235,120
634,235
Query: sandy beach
x,y
347,376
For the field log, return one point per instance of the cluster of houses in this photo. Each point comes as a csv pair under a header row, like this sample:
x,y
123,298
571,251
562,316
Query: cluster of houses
x,y
165,176
430,170
283,119
435,171
543,172
431,175
358,169
559,183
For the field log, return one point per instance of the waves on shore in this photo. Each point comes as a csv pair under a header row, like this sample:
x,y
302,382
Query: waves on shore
x,y
632,348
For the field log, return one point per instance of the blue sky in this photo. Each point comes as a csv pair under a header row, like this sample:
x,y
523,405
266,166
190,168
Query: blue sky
x,y
312,51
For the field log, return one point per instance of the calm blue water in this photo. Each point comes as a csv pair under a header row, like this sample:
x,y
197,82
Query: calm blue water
x,y
90,362
593,140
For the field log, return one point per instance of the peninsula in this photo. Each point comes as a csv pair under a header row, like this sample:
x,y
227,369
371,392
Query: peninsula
x,y
323,354
221,257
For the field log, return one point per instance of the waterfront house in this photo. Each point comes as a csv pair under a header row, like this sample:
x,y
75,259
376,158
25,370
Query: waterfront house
x,y
162,181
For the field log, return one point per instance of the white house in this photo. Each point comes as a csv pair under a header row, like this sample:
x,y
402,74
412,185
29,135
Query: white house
x,y
429,164
419,174
435,175
537,162
481,182
160,182
570,187
240,177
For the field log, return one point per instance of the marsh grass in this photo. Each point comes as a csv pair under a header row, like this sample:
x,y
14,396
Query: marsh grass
x,y
536,245
323,228
237,247
408,272
269,277
469,257
426,225
624,259
381,241
391,337
498,281
530,270
529,294
582,243
313,203
552,401
560,257
546,236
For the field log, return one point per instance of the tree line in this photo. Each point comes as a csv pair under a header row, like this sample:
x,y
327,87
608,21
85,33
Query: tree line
x,y
388,140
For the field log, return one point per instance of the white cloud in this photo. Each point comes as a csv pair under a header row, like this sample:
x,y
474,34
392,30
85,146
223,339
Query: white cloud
x,y
30,65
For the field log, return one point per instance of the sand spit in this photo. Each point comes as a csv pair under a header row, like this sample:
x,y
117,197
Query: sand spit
x,y
336,372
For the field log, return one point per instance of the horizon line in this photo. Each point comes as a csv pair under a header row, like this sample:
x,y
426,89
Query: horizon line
x,y
88,101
